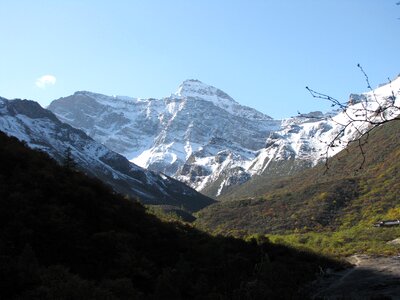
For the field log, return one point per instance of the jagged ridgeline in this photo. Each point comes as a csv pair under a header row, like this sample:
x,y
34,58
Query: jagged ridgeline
x,y
64,235
343,200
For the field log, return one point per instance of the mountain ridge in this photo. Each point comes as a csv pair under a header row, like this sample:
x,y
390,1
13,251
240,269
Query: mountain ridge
x,y
341,198
196,135
41,129
203,137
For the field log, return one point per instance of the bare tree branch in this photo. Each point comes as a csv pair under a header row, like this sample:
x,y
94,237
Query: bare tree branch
x,y
360,117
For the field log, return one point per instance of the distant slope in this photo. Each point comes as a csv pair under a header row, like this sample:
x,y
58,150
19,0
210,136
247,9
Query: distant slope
x,y
64,235
41,129
319,199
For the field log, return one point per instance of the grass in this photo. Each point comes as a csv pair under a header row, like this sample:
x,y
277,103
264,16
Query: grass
x,y
345,242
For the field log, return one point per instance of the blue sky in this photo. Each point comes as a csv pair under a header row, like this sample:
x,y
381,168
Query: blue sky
x,y
262,53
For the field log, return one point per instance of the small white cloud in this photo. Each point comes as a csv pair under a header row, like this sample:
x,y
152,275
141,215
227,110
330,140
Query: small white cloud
x,y
45,80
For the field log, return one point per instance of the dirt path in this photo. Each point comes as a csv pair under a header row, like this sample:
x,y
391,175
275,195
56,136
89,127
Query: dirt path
x,y
371,278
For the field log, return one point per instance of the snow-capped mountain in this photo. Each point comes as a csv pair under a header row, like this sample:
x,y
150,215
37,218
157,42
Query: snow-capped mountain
x,y
41,129
307,139
198,135
201,136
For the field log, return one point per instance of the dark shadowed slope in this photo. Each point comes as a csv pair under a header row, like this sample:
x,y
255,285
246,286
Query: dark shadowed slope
x,y
64,235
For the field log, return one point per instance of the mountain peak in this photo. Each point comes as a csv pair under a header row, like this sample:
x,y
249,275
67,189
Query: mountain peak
x,y
87,93
192,81
196,89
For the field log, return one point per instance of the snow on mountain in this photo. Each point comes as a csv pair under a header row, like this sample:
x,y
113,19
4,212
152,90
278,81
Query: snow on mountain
x,y
305,140
201,136
41,129
198,135
195,89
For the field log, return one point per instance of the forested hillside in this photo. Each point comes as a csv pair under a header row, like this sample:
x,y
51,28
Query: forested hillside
x,y
331,210
66,236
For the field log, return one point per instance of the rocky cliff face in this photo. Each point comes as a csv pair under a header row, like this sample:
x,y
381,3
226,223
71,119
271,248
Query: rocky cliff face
x,y
41,129
199,135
